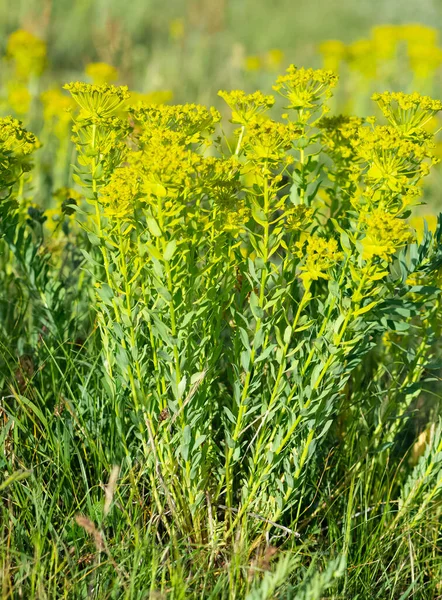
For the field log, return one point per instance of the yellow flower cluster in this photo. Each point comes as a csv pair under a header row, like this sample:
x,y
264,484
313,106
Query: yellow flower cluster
x,y
189,121
16,146
369,56
269,140
305,88
321,255
15,139
394,163
166,138
19,97
408,112
270,61
385,234
337,135
119,195
219,179
99,101
168,168
246,107
27,52
299,218
58,109
333,52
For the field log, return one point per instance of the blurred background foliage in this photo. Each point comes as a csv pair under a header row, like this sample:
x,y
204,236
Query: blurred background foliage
x,y
195,47
186,50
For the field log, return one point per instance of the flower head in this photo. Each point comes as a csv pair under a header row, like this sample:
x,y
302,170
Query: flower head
x,y
385,234
246,107
16,146
269,140
321,255
408,112
189,122
299,218
305,88
98,100
119,195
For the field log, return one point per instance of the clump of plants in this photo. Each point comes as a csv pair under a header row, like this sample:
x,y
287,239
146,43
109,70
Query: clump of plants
x,y
237,314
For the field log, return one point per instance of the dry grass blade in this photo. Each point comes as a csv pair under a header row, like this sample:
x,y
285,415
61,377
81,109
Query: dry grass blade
x,y
90,528
109,489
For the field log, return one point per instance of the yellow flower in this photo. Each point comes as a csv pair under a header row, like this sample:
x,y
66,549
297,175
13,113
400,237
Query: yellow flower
x,y
101,72
299,218
424,60
119,195
274,59
408,112
421,34
337,134
385,40
305,88
394,163
98,100
321,255
268,140
58,109
362,58
384,235
253,63
246,107
27,52
156,97
16,146
234,219
333,53
19,98
185,123
177,29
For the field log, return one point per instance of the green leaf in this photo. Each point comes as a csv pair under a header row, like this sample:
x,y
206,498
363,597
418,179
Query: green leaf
x,y
170,250
153,227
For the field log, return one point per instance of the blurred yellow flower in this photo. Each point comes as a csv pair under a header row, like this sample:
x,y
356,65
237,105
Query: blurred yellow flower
x,y
57,109
333,53
385,40
420,34
101,72
274,59
177,29
19,98
252,63
362,58
424,59
156,97
27,52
